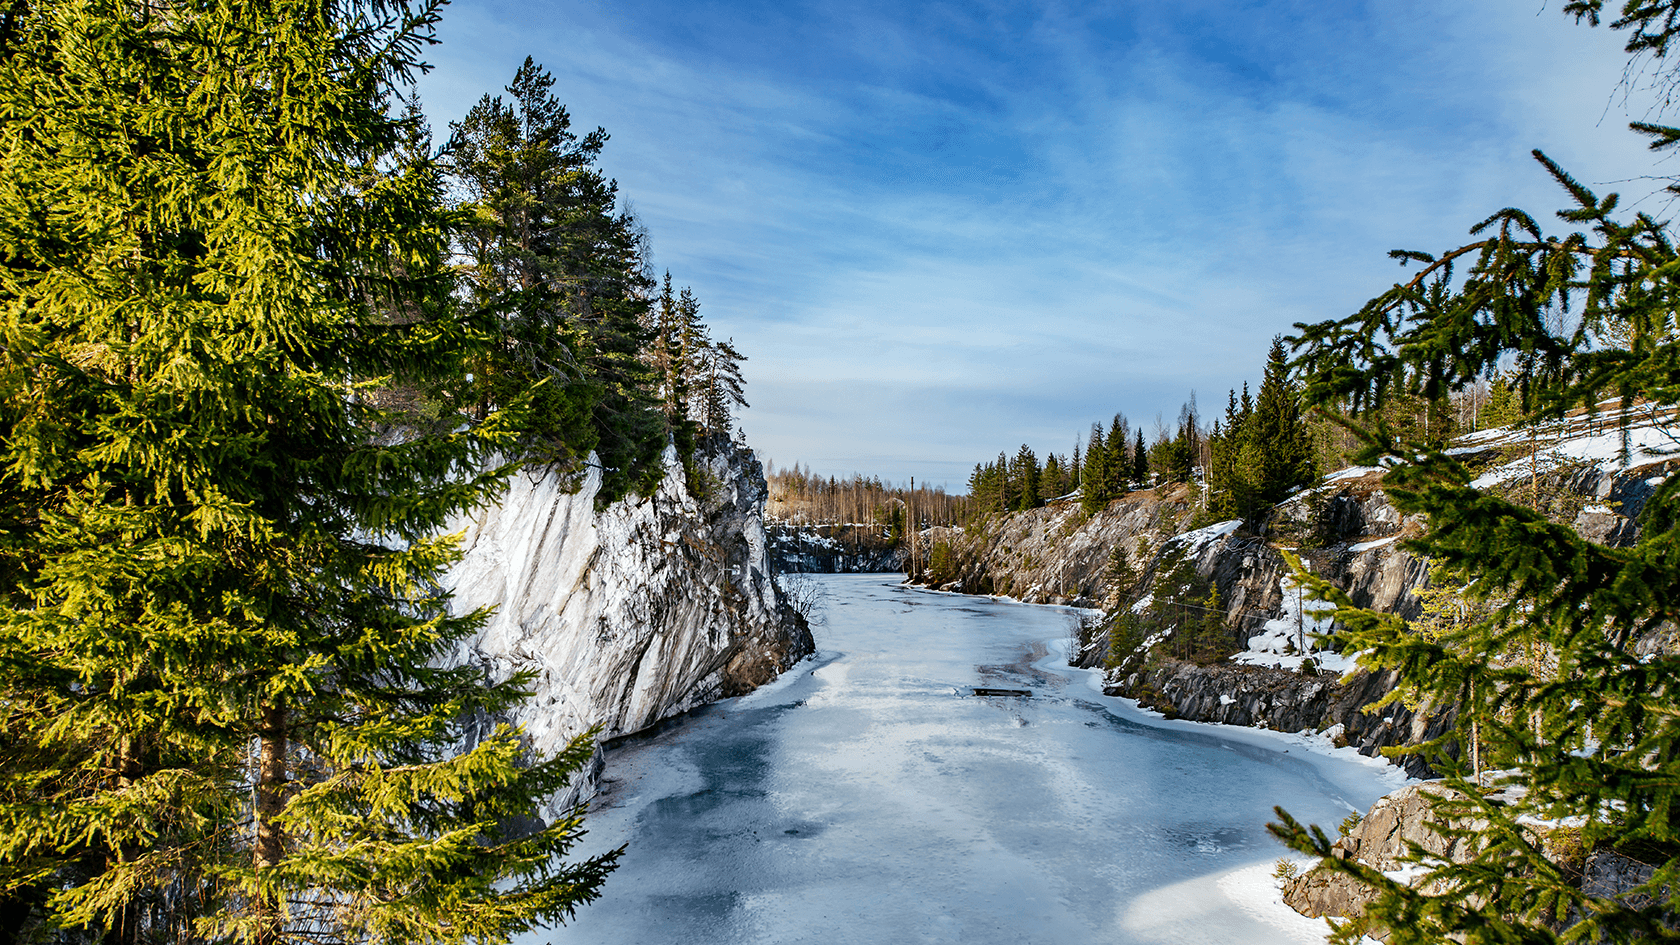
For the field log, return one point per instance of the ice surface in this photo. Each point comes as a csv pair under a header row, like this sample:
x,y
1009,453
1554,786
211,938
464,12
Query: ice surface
x,y
868,797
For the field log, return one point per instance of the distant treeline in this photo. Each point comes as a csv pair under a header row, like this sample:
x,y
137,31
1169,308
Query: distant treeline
x,y
797,496
1253,455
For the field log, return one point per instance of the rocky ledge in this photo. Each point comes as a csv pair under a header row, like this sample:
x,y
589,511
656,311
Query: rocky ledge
x,y
1288,701
1384,837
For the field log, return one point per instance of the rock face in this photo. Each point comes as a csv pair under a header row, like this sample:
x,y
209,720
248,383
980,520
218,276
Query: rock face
x,y
1379,841
1382,840
629,615
1288,701
1052,555
832,549
1060,555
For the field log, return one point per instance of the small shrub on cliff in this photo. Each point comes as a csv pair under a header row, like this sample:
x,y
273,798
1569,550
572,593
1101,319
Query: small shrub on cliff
x,y
1126,633
803,593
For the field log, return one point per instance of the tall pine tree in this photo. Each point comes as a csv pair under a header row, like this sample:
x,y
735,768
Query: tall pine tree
x,y
1279,434
1094,478
1118,465
1025,473
547,252
215,265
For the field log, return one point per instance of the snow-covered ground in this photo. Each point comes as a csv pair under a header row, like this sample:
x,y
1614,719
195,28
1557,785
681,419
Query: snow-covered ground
x,y
870,797
1561,443
1351,472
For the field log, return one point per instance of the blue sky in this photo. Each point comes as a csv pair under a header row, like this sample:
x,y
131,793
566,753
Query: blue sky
x,y
941,230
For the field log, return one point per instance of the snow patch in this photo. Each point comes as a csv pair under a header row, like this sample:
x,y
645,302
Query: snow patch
x,y
1193,541
1352,472
1556,444
1378,543
1254,890
1290,638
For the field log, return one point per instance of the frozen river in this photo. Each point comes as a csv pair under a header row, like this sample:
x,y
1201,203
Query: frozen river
x,y
869,797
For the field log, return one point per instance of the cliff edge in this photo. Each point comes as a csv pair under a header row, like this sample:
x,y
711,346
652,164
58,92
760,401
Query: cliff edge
x,y
630,615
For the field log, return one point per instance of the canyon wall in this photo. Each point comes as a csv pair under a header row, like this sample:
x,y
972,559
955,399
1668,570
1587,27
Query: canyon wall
x,y
832,549
629,615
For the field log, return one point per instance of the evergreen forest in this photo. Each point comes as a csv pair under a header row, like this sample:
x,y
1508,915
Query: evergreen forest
x,y
1262,448
265,335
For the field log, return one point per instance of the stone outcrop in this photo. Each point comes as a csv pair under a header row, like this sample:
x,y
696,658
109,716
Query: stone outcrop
x,y
629,615
1061,555
1289,701
1052,555
1384,837
832,549
1381,841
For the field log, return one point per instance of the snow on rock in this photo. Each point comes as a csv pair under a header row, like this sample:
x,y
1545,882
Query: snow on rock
x,y
1288,639
1202,536
1358,547
629,615
1351,472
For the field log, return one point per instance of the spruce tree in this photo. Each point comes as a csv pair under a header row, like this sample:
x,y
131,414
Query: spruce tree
x,y
667,360
1230,492
1218,478
1187,443
1140,461
218,266
1053,483
1118,463
547,252
1007,494
1573,710
1025,473
1094,479
977,487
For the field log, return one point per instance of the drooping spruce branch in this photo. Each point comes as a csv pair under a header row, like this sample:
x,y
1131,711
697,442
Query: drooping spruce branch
x,y
1575,706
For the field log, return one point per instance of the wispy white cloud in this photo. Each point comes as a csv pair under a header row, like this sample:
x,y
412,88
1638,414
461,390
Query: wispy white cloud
x,y
942,231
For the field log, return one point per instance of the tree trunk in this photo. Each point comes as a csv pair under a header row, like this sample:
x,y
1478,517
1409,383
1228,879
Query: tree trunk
x,y
125,928
270,802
